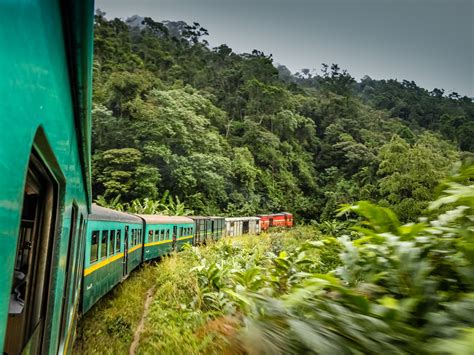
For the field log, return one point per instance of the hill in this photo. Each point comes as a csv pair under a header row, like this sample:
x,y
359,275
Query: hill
x,y
230,133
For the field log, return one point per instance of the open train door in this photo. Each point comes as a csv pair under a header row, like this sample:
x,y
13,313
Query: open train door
x,y
125,253
31,287
175,236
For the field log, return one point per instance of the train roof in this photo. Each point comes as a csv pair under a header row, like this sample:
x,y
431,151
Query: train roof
x,y
232,219
78,32
158,219
274,214
100,213
205,217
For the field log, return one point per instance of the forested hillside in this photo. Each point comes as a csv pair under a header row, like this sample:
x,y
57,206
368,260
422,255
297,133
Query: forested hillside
x,y
231,134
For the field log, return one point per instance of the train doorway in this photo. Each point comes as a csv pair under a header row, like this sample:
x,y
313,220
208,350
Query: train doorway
x,y
30,289
125,252
175,235
245,227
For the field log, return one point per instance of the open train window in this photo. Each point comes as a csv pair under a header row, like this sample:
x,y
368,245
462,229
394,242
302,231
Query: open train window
x,y
30,286
103,244
111,242
94,246
118,240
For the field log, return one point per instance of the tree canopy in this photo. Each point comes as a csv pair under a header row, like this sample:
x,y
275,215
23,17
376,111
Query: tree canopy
x,y
230,133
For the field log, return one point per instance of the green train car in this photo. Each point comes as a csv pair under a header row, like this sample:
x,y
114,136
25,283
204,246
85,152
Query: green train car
x,y
113,249
164,234
45,88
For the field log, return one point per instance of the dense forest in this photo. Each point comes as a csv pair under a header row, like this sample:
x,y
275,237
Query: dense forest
x,y
228,133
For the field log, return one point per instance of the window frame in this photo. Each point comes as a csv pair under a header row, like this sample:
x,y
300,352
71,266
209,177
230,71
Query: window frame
x,y
97,232
118,240
103,233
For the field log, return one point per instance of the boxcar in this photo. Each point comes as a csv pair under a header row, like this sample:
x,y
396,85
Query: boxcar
x,y
208,228
164,234
236,226
283,219
113,249
45,90
217,227
202,229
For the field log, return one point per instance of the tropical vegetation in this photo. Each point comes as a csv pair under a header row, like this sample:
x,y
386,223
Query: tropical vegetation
x,y
234,134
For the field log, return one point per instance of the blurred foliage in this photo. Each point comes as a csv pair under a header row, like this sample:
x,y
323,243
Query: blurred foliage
x,y
397,287
227,132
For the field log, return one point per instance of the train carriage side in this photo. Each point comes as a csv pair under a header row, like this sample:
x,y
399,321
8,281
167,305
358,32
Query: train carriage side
x,y
216,227
113,250
201,229
45,86
163,234
283,219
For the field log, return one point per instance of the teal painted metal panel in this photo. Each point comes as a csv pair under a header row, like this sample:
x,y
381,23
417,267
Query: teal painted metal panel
x,y
155,248
40,106
102,275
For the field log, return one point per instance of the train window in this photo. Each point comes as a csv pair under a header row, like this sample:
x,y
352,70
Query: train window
x,y
112,242
167,234
134,237
103,244
94,246
118,241
150,236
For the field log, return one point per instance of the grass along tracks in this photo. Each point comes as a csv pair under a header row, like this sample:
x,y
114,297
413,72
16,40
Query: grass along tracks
x,y
393,288
193,308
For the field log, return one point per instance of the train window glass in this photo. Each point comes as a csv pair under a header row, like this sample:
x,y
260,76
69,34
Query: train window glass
x,y
157,235
118,240
167,234
134,237
150,236
112,242
94,246
103,244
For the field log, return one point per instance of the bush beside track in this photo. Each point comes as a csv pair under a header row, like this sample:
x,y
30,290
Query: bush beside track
x,y
394,288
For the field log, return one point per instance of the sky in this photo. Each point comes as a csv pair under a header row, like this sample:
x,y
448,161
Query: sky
x,y
428,41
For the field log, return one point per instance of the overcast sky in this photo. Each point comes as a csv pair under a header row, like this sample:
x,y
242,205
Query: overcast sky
x,y
428,41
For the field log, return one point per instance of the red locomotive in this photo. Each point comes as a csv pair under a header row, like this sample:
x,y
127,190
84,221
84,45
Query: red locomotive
x,y
283,219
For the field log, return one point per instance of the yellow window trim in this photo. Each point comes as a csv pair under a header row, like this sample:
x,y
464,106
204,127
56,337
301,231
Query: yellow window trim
x,y
157,243
97,266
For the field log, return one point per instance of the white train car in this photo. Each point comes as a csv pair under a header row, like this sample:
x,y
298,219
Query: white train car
x,y
236,226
